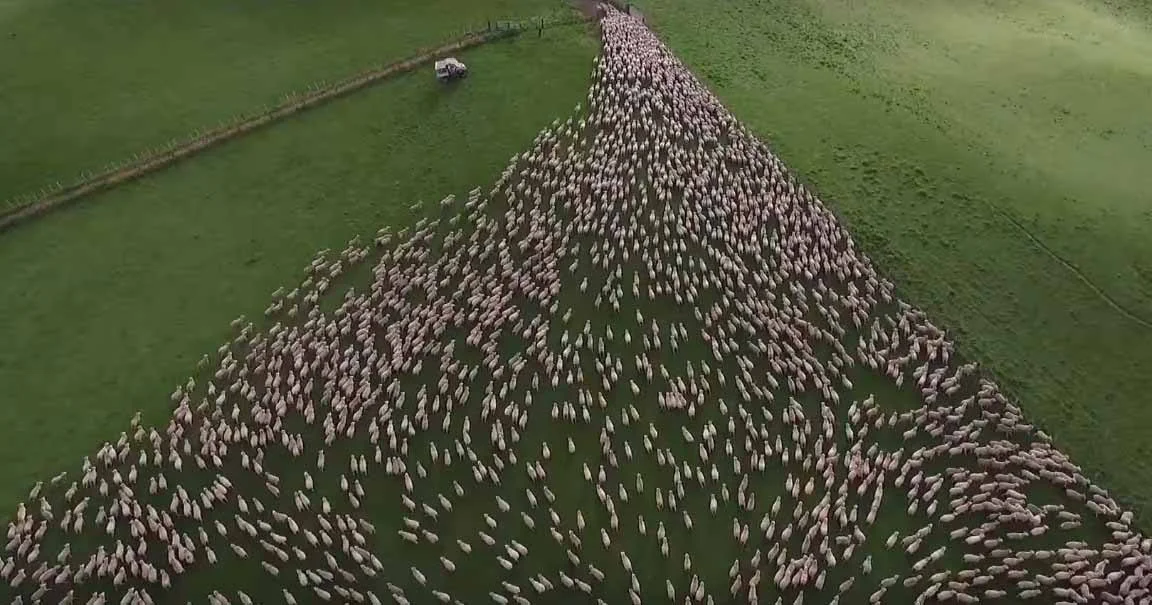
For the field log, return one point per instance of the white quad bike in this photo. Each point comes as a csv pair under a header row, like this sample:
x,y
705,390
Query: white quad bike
x,y
450,69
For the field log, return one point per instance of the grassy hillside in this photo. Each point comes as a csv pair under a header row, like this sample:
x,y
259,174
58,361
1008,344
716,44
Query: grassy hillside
x,y
88,83
108,304
978,154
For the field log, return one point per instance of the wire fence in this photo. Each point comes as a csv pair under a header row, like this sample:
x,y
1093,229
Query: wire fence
x,y
538,24
17,209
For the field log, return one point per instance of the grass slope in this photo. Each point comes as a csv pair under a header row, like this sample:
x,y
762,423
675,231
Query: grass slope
x,y
88,83
107,305
923,125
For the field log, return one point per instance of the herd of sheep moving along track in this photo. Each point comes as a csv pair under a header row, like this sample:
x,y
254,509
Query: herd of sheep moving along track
x,y
647,298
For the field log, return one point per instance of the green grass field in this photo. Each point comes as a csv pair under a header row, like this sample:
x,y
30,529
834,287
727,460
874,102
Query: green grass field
x,y
89,83
946,136
108,304
708,542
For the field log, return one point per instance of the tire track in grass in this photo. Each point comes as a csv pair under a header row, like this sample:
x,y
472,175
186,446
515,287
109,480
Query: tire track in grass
x,y
1107,298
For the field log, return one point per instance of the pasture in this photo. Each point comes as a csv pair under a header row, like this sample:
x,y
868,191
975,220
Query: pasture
x,y
109,303
91,83
990,157
642,363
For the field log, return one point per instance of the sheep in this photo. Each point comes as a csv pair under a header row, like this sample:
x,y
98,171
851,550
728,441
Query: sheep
x,y
786,285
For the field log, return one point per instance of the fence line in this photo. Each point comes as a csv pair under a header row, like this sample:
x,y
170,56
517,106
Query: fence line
x,y
19,209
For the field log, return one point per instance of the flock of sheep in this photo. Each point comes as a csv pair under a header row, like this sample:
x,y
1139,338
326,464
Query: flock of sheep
x,y
626,373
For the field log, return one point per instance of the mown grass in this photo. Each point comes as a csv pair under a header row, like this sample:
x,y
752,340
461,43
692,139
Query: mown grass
x,y
90,83
922,124
108,304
